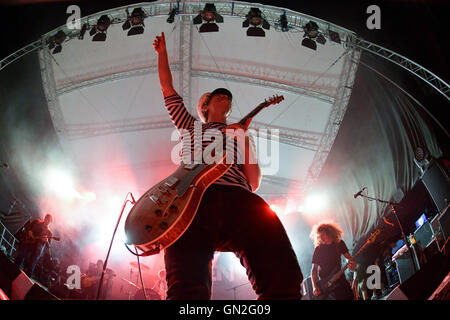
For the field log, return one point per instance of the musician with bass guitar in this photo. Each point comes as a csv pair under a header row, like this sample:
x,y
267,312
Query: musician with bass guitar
x,y
230,216
326,262
34,237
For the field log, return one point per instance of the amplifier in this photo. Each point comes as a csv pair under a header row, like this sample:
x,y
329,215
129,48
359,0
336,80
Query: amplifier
x,y
424,235
404,263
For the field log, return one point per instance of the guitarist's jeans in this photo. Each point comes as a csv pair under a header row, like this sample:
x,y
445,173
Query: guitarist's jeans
x,y
233,219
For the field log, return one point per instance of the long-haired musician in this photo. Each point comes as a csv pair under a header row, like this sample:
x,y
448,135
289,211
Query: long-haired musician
x,y
230,216
329,247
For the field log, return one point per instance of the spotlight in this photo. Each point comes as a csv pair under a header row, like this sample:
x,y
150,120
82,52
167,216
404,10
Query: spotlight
x,y
309,43
420,154
422,158
334,36
311,30
56,41
135,22
209,14
99,30
254,17
172,14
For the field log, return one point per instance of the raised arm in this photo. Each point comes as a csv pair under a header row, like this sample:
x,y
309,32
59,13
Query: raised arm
x,y
174,103
165,75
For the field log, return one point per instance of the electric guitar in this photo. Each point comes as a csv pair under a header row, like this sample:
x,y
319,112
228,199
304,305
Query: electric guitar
x,y
165,211
327,285
33,239
87,282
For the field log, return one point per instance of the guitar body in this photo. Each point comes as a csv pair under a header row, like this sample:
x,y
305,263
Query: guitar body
x,y
87,282
326,286
165,211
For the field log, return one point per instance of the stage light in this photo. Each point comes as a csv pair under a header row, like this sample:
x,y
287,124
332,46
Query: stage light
x,y
420,154
60,183
311,30
254,18
315,203
99,30
421,159
309,43
334,36
208,14
172,14
135,22
56,41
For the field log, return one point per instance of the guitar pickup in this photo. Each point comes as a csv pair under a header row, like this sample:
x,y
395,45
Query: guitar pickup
x,y
155,199
171,182
190,166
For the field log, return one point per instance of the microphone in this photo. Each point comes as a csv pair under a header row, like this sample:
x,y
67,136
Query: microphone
x,y
356,195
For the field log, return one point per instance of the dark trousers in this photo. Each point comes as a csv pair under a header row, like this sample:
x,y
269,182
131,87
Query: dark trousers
x,y
343,291
28,256
235,220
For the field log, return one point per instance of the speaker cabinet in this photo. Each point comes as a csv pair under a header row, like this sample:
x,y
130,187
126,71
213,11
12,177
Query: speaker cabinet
x,y
437,183
307,289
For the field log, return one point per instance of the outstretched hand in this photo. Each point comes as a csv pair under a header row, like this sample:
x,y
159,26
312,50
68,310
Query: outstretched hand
x,y
160,44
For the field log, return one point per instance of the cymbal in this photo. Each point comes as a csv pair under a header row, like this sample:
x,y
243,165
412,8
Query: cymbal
x,y
131,283
144,267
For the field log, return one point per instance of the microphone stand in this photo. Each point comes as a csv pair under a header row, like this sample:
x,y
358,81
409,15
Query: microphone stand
x,y
110,245
393,205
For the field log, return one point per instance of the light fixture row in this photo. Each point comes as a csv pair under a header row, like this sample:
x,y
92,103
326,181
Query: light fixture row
x,y
208,18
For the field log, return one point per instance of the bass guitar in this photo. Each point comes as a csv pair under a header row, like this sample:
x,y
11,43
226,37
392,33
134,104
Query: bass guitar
x,y
34,239
165,211
327,285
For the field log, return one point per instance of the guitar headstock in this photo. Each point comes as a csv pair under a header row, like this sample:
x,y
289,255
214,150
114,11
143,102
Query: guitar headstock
x,y
273,100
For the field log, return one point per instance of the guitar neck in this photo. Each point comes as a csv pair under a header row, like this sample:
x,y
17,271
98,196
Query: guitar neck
x,y
253,113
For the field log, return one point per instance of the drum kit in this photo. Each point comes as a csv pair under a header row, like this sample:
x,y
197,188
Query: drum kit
x,y
135,292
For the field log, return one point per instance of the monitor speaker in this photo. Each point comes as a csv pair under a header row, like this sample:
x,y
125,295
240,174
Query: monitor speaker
x,y
422,284
16,285
307,289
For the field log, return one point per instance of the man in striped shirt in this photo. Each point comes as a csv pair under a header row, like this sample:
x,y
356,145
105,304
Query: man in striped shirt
x,y
230,216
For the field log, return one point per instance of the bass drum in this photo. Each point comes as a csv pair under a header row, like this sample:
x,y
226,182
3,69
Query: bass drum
x,y
151,295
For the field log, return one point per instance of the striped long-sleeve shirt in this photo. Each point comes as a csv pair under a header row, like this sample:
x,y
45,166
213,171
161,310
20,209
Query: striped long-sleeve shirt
x,y
189,126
